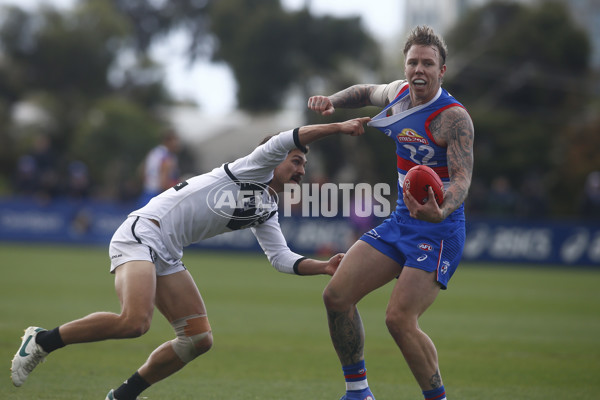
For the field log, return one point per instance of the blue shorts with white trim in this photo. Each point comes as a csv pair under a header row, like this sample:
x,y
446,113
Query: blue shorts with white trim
x,y
418,244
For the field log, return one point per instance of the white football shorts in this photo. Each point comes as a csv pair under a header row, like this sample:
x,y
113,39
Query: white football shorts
x,y
138,239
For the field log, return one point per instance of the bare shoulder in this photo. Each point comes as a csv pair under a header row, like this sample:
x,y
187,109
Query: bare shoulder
x,y
452,124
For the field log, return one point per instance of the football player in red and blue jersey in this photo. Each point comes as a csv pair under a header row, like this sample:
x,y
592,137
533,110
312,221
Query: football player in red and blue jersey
x,y
420,244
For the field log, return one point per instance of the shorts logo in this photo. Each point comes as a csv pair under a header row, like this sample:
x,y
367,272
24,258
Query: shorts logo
x,y
373,233
410,136
425,247
422,258
445,265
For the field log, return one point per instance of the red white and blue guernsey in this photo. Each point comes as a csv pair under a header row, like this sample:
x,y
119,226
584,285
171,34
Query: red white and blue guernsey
x,y
415,144
411,242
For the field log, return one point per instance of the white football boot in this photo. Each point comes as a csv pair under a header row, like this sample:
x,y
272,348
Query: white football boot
x,y
30,354
111,396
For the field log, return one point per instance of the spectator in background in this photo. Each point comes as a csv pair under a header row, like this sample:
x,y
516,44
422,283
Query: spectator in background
x,y
502,199
590,206
26,177
161,167
37,171
78,184
532,201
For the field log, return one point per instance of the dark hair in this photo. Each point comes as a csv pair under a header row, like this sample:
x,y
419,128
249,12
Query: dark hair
x,y
424,35
266,139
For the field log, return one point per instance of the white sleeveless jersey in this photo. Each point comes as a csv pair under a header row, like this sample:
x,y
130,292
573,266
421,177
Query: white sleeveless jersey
x,y
231,197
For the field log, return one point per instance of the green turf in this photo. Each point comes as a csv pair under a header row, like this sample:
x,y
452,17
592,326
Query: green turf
x,y
501,332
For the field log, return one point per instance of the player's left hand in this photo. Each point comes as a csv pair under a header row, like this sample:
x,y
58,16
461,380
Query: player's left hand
x,y
333,264
430,211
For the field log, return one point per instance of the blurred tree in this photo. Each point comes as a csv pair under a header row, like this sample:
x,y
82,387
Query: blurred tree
x,y
521,71
63,63
71,63
116,133
154,20
272,51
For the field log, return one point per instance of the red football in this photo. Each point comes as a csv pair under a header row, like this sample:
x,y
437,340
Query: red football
x,y
418,179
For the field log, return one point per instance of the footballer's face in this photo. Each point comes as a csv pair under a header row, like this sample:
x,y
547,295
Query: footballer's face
x,y
423,73
290,171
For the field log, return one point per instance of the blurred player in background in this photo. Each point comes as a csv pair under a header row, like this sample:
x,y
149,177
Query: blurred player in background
x,y
146,254
421,244
161,167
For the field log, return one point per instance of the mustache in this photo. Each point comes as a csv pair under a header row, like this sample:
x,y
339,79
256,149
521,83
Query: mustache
x,y
296,178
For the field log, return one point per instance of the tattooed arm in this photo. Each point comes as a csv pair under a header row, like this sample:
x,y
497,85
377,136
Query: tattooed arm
x,y
355,97
453,129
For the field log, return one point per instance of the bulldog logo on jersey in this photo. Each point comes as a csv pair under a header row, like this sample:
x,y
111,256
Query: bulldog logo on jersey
x,y
410,136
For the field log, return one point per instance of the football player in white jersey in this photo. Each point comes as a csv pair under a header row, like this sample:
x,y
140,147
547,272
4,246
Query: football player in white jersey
x,y
146,256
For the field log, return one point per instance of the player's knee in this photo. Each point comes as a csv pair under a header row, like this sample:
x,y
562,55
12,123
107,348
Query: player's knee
x,y
398,322
194,337
333,299
393,322
204,345
135,326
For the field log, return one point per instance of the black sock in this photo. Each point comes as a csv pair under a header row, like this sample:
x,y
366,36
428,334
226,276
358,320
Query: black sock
x,y
49,340
131,388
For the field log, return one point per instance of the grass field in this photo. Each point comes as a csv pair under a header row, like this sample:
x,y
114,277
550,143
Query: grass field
x,y
502,332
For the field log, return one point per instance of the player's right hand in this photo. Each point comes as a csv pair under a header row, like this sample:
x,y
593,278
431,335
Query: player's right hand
x,y
321,104
354,127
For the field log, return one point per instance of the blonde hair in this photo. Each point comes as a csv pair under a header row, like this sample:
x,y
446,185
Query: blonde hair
x,y
424,35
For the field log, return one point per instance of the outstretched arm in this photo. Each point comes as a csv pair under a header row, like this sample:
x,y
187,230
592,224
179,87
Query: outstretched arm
x,y
355,96
310,133
274,245
309,266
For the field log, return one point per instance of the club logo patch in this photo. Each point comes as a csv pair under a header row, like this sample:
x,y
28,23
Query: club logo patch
x,y
410,136
445,266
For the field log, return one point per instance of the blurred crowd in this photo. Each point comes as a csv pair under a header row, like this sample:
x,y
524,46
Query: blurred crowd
x,y
40,174
43,174
501,199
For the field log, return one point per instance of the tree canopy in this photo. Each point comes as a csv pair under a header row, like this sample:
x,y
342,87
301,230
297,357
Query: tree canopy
x,y
88,71
523,73
271,50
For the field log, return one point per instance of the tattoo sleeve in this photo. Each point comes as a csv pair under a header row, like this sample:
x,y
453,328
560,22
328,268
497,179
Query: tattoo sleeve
x,y
353,97
347,335
455,128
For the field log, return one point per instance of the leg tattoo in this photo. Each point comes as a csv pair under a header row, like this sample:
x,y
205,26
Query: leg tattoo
x,y
347,335
436,380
